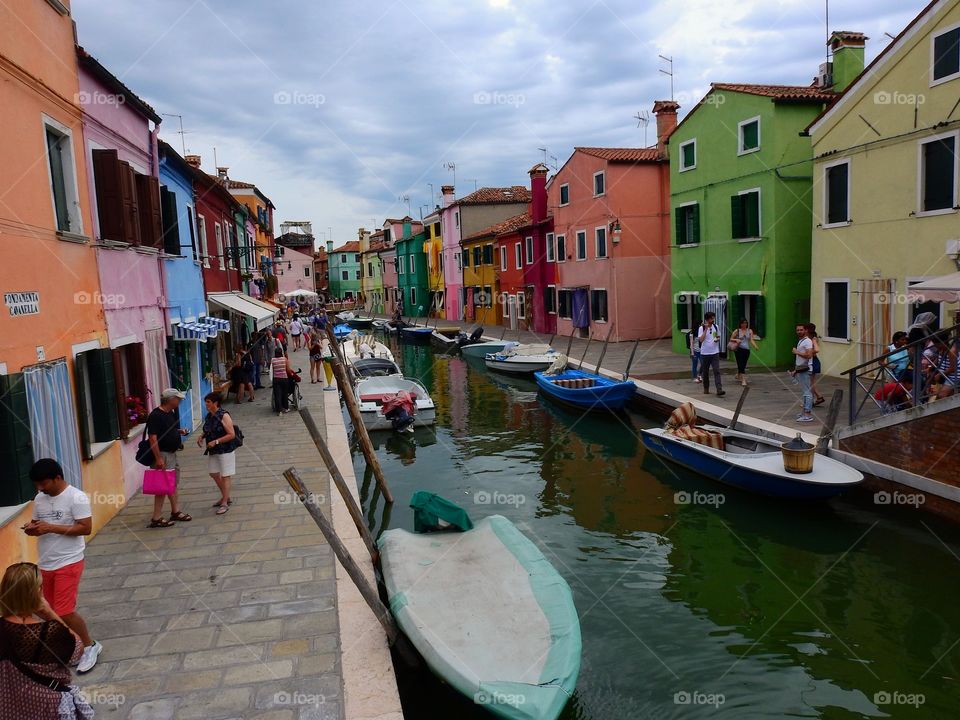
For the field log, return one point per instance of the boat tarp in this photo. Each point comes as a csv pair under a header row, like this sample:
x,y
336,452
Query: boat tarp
x,y
489,614
430,509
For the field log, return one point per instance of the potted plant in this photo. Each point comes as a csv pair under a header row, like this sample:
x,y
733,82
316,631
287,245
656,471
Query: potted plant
x,y
136,410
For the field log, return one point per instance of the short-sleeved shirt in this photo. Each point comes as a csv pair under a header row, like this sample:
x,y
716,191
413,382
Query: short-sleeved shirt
x,y
57,551
166,426
296,328
710,345
805,344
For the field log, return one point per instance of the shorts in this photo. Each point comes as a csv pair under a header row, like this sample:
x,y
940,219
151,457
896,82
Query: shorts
x,y
170,461
60,587
224,464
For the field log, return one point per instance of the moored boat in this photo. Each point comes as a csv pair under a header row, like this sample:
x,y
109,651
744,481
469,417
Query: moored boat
x,y
523,359
375,367
374,393
416,334
481,349
584,390
361,323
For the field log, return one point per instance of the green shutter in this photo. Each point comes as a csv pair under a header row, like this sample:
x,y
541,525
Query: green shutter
x,y
736,312
681,314
103,395
678,219
752,212
760,302
16,448
695,224
736,217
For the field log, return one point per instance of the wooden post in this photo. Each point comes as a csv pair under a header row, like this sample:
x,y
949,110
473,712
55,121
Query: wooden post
x,y
587,348
604,351
834,410
343,555
550,341
626,372
569,344
736,413
339,481
346,390
504,333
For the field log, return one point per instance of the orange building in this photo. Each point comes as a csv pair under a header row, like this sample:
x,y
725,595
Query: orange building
x,y
56,372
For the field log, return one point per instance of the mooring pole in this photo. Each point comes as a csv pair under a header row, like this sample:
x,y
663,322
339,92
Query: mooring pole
x,y
569,344
736,413
823,442
582,357
626,372
604,351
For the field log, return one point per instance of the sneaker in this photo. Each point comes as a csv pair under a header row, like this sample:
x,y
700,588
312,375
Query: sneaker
x,y
721,393
804,418
89,657
330,387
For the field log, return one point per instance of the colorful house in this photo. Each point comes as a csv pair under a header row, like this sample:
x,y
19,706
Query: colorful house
x,y
511,286
433,249
321,270
258,252
54,352
294,271
345,271
412,278
740,184
484,301
370,272
387,260
885,196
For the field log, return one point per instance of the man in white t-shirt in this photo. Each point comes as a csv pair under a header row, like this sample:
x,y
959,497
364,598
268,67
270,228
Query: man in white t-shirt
x,y
296,331
61,519
801,371
709,339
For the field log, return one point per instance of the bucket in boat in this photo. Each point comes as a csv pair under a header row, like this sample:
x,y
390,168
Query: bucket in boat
x,y
798,455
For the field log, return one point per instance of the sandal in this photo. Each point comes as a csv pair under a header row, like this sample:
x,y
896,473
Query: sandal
x,y
820,401
218,504
222,509
160,523
180,516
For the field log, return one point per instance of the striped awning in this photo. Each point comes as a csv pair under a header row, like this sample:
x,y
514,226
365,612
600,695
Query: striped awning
x,y
190,331
212,326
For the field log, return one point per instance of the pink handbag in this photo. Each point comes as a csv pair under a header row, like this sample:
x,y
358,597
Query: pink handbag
x,y
159,482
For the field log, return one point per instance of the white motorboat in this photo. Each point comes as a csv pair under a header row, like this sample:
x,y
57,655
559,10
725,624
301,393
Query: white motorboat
x,y
373,392
522,359
357,347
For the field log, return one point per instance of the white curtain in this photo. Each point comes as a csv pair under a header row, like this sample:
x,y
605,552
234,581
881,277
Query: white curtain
x,y
156,366
53,417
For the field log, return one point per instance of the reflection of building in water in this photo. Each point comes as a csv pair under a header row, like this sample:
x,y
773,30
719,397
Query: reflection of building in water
x,y
457,391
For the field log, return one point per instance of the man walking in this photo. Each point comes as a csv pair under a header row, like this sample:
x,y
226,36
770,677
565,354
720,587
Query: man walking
x,y
165,433
801,371
257,355
709,339
61,518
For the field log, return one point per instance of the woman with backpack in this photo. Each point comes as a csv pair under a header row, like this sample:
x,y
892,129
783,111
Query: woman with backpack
x,y
221,437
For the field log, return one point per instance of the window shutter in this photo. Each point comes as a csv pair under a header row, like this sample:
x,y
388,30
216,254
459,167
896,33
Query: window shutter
x,y
736,217
148,202
16,446
760,303
80,375
695,224
939,161
120,391
171,223
946,54
137,376
837,211
752,212
108,184
102,389
130,210
678,222
736,312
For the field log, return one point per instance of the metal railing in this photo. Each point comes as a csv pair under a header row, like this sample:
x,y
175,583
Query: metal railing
x,y
887,384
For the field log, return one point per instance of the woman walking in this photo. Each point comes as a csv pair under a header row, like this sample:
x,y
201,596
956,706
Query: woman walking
x,y
741,340
316,357
220,436
326,353
36,651
815,367
694,344
282,372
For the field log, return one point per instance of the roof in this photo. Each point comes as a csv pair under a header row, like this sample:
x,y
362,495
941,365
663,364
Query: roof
x,y
496,195
240,185
166,151
504,227
93,66
782,93
352,246
621,154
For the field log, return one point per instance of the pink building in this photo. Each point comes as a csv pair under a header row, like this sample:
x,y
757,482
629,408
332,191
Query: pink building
x,y
295,271
611,210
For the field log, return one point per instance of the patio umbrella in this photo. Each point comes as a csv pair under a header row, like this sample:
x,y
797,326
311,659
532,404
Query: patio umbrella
x,y
941,289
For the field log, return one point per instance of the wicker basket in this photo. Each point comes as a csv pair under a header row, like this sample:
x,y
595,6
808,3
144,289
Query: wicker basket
x,y
798,456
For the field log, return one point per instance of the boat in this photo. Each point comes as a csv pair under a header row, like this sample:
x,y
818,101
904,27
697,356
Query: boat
x,y
745,460
442,342
450,331
482,349
375,367
488,612
523,359
341,331
373,392
360,323
416,334
357,346
584,390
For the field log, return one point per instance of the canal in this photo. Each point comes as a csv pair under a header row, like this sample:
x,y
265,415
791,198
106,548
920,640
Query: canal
x,y
695,600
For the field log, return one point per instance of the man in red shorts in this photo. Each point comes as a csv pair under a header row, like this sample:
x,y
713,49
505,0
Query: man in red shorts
x,y
61,518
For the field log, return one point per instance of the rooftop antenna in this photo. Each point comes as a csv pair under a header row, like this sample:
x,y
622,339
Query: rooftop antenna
x,y
432,196
826,21
643,118
452,167
544,151
554,158
474,183
406,199
215,162
421,211
669,61
181,132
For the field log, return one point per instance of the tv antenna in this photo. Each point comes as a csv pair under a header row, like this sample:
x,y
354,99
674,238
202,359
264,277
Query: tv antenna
x,y
405,199
474,181
554,158
544,151
181,132
643,118
430,185
452,167
669,61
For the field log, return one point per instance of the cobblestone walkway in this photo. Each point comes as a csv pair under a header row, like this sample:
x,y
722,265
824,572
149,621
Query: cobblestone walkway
x,y
230,616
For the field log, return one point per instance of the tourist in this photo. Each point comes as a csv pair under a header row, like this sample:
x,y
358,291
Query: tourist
x,y
693,344
296,330
327,353
218,433
36,649
165,436
316,357
258,355
921,328
282,372
945,373
897,363
709,339
815,366
61,519
741,340
801,371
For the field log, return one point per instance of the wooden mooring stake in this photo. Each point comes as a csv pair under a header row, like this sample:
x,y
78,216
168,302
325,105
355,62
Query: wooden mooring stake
x,y
604,351
823,442
626,372
736,413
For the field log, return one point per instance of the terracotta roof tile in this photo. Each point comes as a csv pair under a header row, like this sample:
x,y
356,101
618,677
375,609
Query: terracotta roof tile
x,y
780,92
238,185
352,246
504,227
496,195
621,154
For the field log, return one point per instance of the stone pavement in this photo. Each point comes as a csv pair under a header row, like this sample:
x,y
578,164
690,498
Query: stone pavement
x,y
230,616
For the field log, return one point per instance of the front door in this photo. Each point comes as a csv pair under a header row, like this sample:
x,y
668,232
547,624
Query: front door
x,y
512,311
717,304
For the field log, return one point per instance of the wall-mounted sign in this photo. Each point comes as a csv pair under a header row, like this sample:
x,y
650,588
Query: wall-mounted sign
x,y
22,303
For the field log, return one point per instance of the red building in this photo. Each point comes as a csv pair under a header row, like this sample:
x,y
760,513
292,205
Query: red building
x,y
216,230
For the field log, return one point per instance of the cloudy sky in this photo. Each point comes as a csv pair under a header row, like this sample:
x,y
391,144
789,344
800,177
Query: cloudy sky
x,y
336,109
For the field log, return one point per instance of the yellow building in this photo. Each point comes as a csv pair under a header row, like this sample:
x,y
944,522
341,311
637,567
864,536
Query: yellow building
x,y
261,211
480,285
433,249
885,187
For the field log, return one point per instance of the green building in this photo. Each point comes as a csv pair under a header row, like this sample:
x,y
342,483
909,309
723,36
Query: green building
x,y
344,269
740,196
412,273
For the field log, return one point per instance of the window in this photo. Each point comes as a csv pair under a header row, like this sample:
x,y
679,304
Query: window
x,y
413,264
518,255
836,199
688,155
369,269
202,232
413,297
599,182
551,249
477,255
456,218
399,264
550,299
529,249
386,237
522,306
218,232
358,274
488,254
466,258
749,134
745,215
488,295
600,237
836,308
938,173
563,304
63,186
231,246
343,257
689,311
344,275
564,194
561,248
687,219
946,56
751,305
436,229
306,271
503,258
598,305
356,258
130,378
581,244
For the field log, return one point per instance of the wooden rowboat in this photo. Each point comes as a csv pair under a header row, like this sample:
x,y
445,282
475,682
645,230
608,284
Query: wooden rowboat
x,y
586,391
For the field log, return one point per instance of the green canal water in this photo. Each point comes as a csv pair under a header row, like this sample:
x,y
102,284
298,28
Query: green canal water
x,y
749,608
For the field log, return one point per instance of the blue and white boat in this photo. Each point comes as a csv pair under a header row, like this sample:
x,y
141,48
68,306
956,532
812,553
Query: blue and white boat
x,y
752,462
341,331
586,391
517,359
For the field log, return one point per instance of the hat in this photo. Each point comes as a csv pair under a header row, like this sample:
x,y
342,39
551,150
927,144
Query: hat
x,y
172,393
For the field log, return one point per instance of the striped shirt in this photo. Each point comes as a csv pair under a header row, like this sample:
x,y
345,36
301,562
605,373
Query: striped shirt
x,y
279,366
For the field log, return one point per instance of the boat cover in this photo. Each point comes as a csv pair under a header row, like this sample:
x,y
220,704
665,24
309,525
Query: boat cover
x,y
682,424
430,509
489,614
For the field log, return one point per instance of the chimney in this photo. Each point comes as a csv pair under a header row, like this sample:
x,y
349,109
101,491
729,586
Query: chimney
x,y
222,174
447,192
538,192
666,112
192,160
329,246
847,49
407,229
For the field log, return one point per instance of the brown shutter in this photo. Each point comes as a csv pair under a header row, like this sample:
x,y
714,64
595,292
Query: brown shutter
x,y
108,184
151,223
131,209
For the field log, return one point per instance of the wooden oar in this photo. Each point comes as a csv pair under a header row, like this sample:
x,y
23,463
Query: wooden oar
x,y
823,441
736,413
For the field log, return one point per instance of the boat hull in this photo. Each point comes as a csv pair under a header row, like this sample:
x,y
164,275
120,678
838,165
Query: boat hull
x,y
421,336
374,419
527,367
361,323
480,350
607,395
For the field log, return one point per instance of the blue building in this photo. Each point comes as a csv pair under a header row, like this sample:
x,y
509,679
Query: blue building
x,y
190,347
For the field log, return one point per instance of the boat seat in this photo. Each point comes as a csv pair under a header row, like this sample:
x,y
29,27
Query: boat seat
x,y
575,382
381,397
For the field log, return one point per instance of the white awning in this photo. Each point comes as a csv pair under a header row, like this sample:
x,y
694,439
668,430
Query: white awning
x,y
245,305
941,289
189,331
